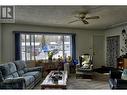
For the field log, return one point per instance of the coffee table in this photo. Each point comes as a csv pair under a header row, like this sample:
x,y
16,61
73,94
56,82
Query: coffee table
x,y
50,83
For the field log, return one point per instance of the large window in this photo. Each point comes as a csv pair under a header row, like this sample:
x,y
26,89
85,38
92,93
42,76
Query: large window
x,y
37,46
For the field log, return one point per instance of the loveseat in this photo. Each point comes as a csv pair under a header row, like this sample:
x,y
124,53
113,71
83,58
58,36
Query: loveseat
x,y
16,75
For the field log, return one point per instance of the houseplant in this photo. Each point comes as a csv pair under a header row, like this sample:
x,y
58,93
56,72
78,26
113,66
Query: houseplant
x,y
50,55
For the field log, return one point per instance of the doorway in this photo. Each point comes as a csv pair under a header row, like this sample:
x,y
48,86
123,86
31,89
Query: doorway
x,y
98,51
113,46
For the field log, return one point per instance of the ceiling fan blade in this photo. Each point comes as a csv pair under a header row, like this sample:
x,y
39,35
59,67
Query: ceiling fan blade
x,y
85,22
77,17
93,17
74,21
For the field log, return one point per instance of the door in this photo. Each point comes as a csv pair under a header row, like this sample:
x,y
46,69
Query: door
x,y
113,45
98,51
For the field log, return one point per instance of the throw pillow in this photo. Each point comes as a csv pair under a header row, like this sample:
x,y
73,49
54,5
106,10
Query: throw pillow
x,y
85,65
124,74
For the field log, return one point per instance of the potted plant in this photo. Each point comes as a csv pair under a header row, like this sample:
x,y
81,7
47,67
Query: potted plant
x,y
50,55
69,59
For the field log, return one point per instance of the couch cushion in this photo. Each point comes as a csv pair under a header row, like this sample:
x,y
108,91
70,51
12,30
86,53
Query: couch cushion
x,y
9,76
8,69
34,73
21,67
21,72
1,77
12,67
29,80
15,74
20,64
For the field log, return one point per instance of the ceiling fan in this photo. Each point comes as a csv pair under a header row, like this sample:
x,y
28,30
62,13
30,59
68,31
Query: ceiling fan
x,y
82,16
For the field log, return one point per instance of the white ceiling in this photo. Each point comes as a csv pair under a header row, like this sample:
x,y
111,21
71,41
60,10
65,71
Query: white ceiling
x,y
59,16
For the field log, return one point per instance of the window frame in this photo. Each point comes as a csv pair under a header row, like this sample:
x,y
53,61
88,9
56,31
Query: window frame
x,y
18,44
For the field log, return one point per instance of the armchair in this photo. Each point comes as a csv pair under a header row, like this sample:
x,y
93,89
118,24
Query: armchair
x,y
85,68
115,81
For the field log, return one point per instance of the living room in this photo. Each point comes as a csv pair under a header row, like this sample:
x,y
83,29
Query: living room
x,y
88,28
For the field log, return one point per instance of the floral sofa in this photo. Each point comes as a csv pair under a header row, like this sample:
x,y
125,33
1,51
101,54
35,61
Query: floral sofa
x,y
16,75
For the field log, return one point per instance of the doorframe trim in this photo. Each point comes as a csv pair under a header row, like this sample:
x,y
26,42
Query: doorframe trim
x,y
103,44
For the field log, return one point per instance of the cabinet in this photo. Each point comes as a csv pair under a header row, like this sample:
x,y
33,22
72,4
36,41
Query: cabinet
x,y
122,63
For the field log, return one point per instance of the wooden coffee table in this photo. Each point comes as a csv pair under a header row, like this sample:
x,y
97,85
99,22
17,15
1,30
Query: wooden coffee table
x,y
51,84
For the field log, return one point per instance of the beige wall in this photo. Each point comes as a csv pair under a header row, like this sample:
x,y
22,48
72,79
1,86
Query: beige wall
x,y
0,42
84,38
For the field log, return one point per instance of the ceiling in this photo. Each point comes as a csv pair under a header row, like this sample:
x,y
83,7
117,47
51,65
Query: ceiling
x,y
60,16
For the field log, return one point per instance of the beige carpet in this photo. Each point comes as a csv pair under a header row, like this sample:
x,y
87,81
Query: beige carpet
x,y
87,84
99,81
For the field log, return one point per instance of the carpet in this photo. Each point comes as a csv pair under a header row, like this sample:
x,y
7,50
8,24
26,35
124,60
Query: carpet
x,y
87,84
99,81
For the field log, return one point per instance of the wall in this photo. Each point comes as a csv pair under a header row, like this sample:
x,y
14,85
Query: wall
x,y
114,32
0,42
84,38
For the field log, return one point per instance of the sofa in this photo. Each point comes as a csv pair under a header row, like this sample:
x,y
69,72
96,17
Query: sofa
x,y
115,80
16,75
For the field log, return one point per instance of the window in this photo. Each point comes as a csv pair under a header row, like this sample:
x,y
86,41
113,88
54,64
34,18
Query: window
x,y
36,46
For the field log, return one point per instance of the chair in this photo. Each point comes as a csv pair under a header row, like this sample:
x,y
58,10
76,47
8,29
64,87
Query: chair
x,y
85,68
115,79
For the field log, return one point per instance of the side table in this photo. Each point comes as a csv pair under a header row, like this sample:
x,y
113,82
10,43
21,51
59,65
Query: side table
x,y
67,68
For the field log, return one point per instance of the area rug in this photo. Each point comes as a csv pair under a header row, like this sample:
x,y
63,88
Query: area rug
x,y
82,84
87,84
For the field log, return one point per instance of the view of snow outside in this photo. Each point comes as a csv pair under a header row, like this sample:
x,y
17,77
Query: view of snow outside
x,y
38,49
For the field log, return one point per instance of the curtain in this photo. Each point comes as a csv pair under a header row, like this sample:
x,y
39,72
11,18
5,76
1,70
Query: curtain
x,y
113,46
17,46
73,47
